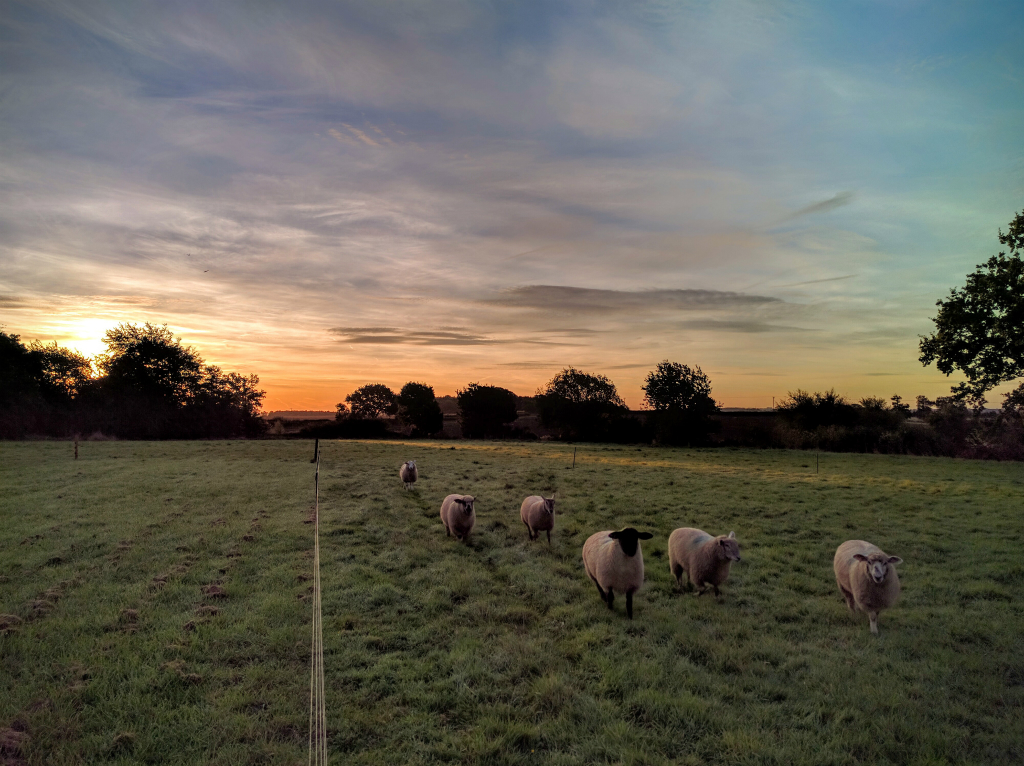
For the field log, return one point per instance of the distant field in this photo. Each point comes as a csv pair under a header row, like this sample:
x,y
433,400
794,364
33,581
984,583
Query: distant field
x,y
156,608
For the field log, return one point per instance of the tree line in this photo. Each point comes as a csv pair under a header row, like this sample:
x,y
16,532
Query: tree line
x,y
574,405
147,385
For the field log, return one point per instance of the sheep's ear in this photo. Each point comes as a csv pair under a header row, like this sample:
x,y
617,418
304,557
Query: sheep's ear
x,y
894,560
644,535
732,535
860,557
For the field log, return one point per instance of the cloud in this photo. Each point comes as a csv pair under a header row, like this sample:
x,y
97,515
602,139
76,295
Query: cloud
x,y
840,199
818,281
13,302
583,299
739,325
360,135
393,336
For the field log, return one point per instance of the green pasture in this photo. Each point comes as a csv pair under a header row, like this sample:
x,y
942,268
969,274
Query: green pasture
x,y
156,608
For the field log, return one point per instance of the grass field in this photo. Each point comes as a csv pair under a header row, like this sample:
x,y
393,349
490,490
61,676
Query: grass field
x,y
156,608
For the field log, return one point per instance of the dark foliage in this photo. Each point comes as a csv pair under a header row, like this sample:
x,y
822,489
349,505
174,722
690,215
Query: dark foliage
x,y
682,404
374,400
150,387
348,428
809,412
418,407
979,329
585,407
487,412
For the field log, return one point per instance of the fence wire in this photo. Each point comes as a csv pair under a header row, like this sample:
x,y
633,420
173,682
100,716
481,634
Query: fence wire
x,y
317,705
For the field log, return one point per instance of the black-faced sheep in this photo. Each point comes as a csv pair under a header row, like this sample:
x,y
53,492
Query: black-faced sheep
x,y
458,516
704,558
614,561
409,474
538,514
867,578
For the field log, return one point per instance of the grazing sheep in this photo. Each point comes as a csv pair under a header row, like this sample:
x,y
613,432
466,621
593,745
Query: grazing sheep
x,y
409,474
704,558
866,576
538,514
458,517
614,562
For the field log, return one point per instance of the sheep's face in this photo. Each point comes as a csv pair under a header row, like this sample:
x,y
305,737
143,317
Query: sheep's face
x,y
549,504
466,503
878,565
629,539
411,464
729,546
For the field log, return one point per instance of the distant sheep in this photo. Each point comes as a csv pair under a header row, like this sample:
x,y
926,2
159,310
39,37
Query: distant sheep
x,y
409,474
458,516
705,559
614,561
867,578
538,514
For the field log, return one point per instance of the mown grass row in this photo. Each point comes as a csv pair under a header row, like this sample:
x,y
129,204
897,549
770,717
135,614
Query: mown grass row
x,y
177,629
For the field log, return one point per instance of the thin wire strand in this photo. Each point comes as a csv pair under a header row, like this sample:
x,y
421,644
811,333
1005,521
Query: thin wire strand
x,y
317,686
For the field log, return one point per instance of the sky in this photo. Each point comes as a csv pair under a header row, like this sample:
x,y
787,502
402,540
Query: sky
x,y
330,194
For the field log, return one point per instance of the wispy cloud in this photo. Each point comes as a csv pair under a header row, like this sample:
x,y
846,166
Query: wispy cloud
x,y
582,299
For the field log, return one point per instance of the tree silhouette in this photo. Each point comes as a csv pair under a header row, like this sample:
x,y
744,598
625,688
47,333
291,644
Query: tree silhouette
x,y
682,403
487,411
418,407
580,405
374,400
979,329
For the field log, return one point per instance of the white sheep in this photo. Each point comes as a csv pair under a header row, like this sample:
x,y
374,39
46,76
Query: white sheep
x,y
538,514
614,561
408,473
458,516
867,578
704,559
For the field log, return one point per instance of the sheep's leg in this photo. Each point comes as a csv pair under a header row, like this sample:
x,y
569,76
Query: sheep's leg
x,y
528,530
873,618
629,604
611,598
677,570
703,589
850,604
717,594
549,537
447,531
604,596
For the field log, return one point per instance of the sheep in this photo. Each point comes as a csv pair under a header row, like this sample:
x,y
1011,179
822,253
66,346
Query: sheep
x,y
705,559
409,474
614,561
458,516
867,579
538,514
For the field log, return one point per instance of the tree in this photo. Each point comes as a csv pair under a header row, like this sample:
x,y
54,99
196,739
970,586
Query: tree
x,y
682,403
979,329
64,373
374,400
148,362
487,411
418,407
580,405
20,369
809,412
